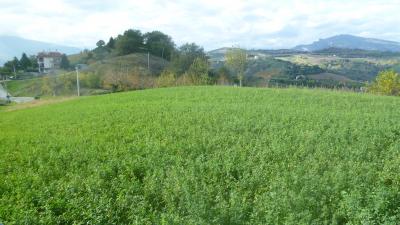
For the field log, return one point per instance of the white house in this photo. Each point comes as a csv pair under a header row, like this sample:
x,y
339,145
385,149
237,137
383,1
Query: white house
x,y
49,61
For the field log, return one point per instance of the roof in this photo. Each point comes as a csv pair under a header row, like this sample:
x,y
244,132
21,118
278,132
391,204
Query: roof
x,y
49,54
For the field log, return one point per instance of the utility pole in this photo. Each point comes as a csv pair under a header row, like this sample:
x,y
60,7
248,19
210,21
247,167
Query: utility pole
x,y
148,61
15,73
77,80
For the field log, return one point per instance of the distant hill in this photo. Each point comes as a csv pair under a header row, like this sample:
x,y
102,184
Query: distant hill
x,y
11,46
351,42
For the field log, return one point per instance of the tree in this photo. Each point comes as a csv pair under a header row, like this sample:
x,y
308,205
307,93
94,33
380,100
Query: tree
x,y
386,83
223,76
198,71
64,62
185,56
130,42
111,43
100,43
236,59
16,64
24,62
159,44
13,66
34,62
166,79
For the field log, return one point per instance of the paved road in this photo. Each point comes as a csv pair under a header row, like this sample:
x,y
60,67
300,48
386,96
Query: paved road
x,y
3,95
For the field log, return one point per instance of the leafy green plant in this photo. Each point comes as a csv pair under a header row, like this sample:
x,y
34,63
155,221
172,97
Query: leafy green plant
x,y
203,155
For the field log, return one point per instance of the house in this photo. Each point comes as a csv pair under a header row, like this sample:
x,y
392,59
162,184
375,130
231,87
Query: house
x,y
252,57
49,61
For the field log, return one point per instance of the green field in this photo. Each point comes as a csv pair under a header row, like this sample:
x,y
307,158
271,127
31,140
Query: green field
x,y
203,155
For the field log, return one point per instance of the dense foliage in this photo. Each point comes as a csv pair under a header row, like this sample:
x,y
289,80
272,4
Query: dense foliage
x,y
19,66
207,155
356,53
355,70
386,83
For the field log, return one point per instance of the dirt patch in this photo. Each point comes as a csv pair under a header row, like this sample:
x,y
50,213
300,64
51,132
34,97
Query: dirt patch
x,y
36,103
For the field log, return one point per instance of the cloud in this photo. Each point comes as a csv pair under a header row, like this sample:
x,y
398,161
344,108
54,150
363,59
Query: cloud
x,y
251,23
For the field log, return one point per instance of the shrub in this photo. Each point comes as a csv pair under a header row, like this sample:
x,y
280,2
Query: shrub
x,y
386,83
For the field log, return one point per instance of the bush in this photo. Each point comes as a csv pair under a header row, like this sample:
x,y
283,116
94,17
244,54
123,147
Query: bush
x,y
167,79
386,83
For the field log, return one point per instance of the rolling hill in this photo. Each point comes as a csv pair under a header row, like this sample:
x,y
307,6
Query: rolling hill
x,y
203,155
113,68
11,46
351,42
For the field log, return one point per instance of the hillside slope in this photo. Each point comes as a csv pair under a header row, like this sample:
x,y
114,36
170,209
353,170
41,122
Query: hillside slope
x,y
99,71
203,155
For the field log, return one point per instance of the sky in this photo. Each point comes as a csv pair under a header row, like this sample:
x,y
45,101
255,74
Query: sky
x,y
252,24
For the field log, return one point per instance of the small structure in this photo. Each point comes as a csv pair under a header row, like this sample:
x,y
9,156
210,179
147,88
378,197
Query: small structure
x,y
300,77
49,61
252,57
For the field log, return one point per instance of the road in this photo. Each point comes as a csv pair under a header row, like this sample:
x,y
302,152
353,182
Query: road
x,y
3,95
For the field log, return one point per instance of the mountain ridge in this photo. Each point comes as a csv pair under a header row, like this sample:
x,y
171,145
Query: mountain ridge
x,y
13,46
346,41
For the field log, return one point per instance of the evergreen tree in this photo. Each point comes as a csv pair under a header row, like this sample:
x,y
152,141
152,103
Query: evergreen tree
x,y
111,43
24,62
16,63
64,62
34,62
130,42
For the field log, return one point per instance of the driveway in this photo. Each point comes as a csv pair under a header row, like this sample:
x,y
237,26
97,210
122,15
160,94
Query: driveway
x,y
3,95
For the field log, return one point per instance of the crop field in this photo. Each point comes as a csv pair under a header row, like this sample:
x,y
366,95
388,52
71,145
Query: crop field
x,y
203,155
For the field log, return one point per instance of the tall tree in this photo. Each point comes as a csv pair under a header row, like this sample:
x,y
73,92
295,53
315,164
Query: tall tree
x,y
12,65
34,62
24,62
236,59
111,43
130,42
159,44
185,56
64,62
100,43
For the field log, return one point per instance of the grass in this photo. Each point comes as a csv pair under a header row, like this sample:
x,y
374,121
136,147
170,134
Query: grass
x,y
203,155
25,88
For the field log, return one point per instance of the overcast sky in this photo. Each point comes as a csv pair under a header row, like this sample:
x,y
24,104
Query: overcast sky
x,y
211,23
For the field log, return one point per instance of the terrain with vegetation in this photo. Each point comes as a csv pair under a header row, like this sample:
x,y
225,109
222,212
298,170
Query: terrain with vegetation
x,y
133,60
203,155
